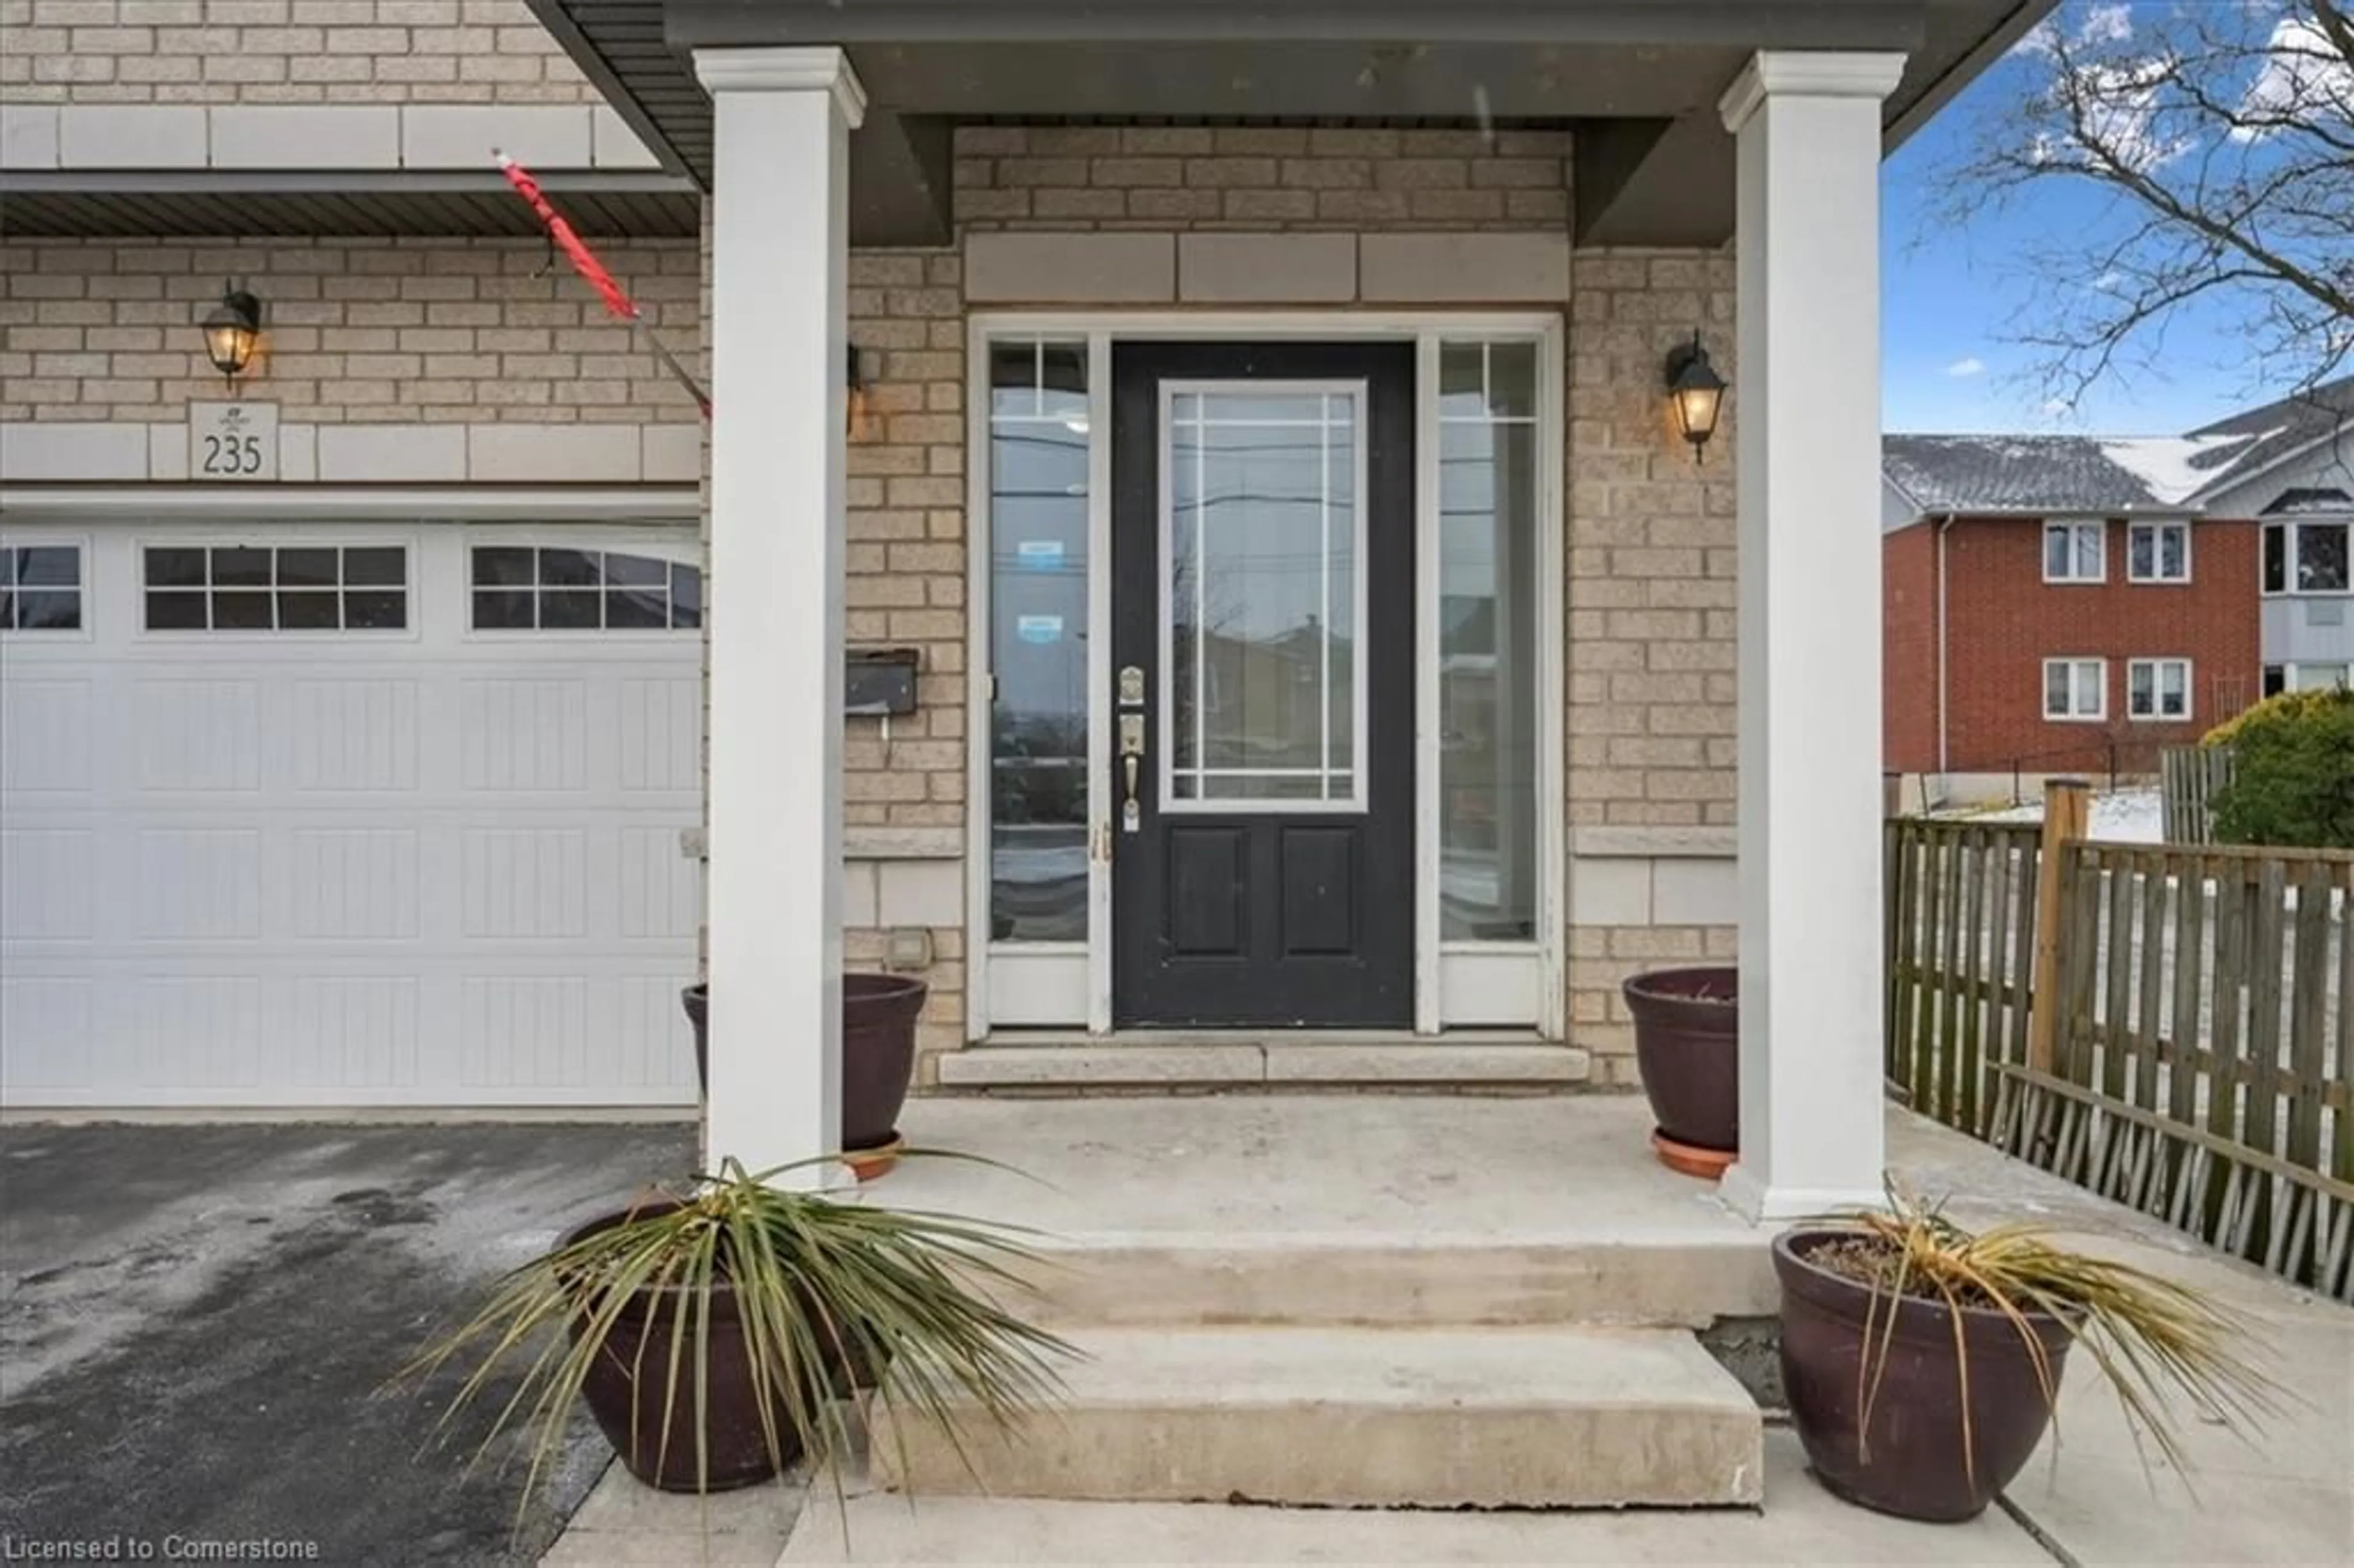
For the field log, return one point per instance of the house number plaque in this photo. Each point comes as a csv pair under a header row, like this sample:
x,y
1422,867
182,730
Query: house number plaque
x,y
233,441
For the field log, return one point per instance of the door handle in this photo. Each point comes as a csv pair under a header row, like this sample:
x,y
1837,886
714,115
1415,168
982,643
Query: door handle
x,y
1131,764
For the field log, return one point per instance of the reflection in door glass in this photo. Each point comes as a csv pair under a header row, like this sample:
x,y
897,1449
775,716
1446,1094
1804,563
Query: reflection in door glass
x,y
1038,649
1488,641
1263,537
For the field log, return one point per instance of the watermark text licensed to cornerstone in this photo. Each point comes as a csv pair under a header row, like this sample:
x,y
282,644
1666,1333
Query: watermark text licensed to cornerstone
x,y
156,1549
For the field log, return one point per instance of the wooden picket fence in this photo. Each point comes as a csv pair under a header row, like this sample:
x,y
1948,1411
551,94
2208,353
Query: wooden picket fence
x,y
1961,945
2199,1066
2189,778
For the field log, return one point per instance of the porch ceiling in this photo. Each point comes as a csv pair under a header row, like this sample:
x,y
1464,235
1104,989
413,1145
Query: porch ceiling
x,y
1638,78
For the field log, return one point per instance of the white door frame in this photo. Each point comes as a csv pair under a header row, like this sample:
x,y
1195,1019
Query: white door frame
x,y
1046,978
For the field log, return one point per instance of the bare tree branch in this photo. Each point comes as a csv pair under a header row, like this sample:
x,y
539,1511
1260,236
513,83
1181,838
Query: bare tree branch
x,y
2223,137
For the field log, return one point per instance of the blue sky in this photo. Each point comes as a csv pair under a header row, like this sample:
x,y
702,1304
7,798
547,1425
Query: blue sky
x,y
1950,298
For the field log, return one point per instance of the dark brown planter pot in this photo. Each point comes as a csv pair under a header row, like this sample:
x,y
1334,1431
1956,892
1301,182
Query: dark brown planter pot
x,y
878,1052
1913,1464
1688,1047
737,1449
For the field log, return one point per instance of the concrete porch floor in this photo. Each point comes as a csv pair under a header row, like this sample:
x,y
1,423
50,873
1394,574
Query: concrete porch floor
x,y
1565,1190
1312,1168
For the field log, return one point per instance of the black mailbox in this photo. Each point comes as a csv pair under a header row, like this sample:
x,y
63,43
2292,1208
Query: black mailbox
x,y
879,681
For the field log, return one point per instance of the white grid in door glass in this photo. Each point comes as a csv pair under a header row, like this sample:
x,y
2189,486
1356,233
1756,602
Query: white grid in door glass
x,y
1263,532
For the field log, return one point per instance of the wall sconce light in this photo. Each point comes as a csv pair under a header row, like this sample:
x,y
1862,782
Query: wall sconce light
x,y
232,330
858,384
1697,391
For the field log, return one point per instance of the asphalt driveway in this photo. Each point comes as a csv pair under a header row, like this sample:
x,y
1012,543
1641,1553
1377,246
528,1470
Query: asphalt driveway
x,y
196,1322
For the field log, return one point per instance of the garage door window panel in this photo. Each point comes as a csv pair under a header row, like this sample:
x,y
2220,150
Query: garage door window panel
x,y
519,588
40,587
291,587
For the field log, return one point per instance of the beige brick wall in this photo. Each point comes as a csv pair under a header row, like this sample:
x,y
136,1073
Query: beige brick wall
x,y
906,586
1651,597
358,330
1262,178
907,538
1651,549
281,51
379,331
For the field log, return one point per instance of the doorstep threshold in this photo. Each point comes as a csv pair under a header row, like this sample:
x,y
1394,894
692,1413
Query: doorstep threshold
x,y
1249,1059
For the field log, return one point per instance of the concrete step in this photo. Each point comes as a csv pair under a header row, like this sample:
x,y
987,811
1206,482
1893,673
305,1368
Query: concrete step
x,y
1363,1417
1442,1280
1037,1064
1801,1523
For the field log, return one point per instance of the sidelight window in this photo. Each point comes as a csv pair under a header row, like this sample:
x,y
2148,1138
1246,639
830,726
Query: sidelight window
x,y
1038,436
1488,643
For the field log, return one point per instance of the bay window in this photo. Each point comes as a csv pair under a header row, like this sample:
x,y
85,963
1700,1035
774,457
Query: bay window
x,y
2307,557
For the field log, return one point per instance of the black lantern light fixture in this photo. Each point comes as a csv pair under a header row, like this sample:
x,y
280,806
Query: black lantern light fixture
x,y
857,400
232,331
1697,391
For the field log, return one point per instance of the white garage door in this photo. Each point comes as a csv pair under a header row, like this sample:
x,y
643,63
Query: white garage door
x,y
347,815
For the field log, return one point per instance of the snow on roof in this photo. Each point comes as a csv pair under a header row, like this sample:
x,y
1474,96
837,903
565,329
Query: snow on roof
x,y
2173,467
2111,475
2015,473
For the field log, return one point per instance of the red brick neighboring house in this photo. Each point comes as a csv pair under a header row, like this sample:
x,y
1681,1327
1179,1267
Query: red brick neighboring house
x,y
2069,604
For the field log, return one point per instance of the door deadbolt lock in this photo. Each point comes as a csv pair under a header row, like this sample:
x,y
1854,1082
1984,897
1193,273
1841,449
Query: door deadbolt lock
x,y
1131,686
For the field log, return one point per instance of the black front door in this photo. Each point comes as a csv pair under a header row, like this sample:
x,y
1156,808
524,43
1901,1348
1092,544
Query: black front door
x,y
1263,684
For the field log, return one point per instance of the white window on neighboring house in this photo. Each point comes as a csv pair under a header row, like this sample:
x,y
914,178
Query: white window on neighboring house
x,y
2158,553
2279,678
2073,552
2157,688
2075,689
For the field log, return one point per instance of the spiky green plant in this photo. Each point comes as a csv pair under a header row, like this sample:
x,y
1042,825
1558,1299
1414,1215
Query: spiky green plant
x,y
2149,1335
819,1285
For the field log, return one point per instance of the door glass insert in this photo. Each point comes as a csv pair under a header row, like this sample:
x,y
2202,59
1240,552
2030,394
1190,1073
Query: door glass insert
x,y
1262,532
1038,439
1488,649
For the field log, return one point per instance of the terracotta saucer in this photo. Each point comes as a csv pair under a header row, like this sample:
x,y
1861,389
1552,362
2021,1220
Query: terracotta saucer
x,y
1690,1160
866,1164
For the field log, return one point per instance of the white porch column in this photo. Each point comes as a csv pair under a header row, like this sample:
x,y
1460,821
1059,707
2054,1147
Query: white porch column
x,y
780,258
1807,395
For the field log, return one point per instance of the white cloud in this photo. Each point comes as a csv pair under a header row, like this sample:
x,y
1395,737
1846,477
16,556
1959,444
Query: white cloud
x,y
1973,365
2110,24
2119,106
2303,78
